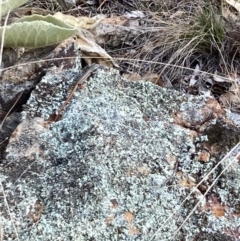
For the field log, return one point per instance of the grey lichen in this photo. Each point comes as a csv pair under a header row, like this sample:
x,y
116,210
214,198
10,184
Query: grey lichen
x,y
235,117
49,93
105,172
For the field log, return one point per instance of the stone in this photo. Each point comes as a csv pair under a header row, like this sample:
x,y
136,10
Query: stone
x,y
119,164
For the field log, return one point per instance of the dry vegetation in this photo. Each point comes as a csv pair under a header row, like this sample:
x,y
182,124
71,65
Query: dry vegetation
x,y
191,34
181,35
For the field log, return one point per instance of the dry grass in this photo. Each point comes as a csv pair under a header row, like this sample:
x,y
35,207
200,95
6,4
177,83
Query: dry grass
x,y
49,5
182,34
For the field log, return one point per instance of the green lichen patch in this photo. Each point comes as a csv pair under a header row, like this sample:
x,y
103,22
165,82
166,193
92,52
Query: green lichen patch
x,y
106,172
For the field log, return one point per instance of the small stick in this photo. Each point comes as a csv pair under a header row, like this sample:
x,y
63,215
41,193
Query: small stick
x,y
81,80
8,113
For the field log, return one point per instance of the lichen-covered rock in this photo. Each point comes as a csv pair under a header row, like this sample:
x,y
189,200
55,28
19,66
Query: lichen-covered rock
x,y
23,76
117,166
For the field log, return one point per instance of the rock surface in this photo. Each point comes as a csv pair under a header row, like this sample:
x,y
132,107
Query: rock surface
x,y
118,164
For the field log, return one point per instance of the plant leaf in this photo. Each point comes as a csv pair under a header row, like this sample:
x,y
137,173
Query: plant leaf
x,y
36,31
9,5
47,18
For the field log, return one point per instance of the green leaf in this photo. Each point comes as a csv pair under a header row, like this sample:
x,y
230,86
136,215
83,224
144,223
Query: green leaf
x,y
9,5
36,31
47,18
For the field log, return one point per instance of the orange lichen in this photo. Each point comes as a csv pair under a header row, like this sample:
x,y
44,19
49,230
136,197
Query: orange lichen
x,y
129,217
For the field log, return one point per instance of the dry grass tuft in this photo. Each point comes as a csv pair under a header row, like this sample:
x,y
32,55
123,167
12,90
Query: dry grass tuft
x,y
180,35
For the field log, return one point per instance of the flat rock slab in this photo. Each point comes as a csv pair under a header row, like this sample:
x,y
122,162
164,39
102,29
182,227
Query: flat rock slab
x,y
118,165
